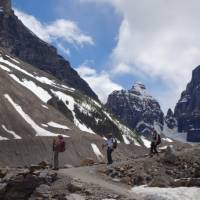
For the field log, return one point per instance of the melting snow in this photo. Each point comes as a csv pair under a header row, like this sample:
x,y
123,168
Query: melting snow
x,y
3,138
13,59
11,132
5,68
146,142
44,106
42,94
97,152
70,103
56,125
155,193
126,141
39,131
167,140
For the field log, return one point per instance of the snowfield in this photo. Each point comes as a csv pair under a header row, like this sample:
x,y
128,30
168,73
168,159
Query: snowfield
x,y
155,193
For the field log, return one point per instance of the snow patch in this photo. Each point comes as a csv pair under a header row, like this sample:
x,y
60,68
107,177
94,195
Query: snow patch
x,y
11,132
56,125
167,140
39,131
5,68
155,193
97,152
42,94
44,106
146,142
126,141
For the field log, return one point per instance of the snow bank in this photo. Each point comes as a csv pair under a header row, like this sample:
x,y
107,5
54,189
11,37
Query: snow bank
x,y
155,193
11,132
39,131
56,125
97,152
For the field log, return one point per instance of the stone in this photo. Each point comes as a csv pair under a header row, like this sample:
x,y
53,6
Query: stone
x,y
74,187
170,155
68,166
75,197
87,162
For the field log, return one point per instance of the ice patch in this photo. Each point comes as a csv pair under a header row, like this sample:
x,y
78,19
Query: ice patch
x,y
155,193
39,131
97,152
11,132
56,125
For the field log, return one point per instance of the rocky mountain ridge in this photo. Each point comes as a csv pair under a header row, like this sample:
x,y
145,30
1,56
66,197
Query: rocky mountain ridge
x,y
187,110
137,109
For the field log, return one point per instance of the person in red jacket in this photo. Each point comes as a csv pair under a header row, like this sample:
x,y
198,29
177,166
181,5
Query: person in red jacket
x,y
58,146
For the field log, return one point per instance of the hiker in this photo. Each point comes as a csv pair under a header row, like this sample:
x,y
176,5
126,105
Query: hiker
x,y
58,146
155,141
111,144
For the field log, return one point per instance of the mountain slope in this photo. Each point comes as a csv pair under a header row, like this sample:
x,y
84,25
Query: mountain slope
x,y
44,92
22,43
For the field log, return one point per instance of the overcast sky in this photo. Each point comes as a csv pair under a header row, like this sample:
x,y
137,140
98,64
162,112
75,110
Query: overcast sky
x,y
116,43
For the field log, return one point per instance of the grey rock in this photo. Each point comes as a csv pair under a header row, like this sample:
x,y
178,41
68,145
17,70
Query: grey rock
x,y
170,155
75,197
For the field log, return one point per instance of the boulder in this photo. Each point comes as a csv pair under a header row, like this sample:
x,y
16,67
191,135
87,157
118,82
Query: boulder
x,y
75,197
74,186
87,162
170,155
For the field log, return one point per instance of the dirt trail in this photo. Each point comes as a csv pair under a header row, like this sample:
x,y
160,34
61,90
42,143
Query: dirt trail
x,y
89,175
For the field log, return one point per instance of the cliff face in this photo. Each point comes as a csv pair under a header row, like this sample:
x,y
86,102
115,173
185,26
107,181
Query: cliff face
x,y
136,108
22,43
187,110
5,5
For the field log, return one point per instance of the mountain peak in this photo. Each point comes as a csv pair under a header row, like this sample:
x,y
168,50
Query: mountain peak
x,y
5,6
140,89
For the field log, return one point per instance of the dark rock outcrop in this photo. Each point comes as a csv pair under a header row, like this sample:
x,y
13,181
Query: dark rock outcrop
x,y
22,43
136,108
170,119
187,110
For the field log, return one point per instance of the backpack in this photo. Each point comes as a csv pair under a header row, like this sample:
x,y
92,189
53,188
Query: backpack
x,y
159,139
114,143
61,146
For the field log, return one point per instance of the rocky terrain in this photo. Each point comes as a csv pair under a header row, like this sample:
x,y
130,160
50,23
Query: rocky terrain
x,y
187,110
136,108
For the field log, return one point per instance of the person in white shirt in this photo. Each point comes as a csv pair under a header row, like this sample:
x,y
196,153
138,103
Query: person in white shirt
x,y
109,145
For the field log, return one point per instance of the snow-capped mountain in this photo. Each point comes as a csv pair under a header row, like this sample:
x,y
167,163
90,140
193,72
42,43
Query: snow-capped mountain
x,y
187,110
137,109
